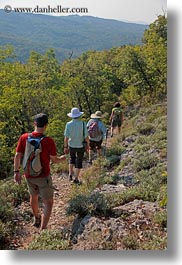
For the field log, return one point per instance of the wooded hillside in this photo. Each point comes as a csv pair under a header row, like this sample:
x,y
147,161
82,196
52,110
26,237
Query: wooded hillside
x,y
66,35
92,82
134,75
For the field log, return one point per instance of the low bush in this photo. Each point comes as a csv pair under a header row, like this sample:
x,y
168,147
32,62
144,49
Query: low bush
x,y
145,161
146,129
92,204
11,195
6,232
49,240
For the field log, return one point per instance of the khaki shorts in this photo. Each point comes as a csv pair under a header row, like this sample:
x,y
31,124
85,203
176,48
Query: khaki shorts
x,y
42,186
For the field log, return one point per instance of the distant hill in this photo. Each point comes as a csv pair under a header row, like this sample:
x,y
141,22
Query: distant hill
x,y
68,34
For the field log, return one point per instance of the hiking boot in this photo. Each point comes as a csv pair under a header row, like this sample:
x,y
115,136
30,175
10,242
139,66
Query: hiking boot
x,y
37,221
76,181
70,177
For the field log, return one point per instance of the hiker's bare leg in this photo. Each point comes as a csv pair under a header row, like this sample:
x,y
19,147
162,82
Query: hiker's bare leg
x,y
46,213
99,152
112,130
34,203
77,172
71,172
90,153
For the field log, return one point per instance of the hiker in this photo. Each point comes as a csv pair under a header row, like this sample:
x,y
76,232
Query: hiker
x,y
97,132
75,135
41,184
116,118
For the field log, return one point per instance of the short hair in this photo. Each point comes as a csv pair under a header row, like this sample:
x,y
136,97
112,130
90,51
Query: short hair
x,y
41,120
117,105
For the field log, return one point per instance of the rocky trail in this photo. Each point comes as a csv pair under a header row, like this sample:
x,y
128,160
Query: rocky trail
x,y
26,231
58,219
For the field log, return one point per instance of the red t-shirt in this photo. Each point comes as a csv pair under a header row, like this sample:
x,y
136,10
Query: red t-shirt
x,y
48,148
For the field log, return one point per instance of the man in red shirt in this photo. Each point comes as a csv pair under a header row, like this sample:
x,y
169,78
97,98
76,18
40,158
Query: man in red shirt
x,y
42,184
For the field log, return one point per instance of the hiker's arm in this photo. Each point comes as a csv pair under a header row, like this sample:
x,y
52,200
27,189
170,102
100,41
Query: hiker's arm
x,y
111,116
87,146
58,159
17,163
66,151
87,140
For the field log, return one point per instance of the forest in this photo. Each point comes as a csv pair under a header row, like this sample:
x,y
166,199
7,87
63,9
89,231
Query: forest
x,y
132,74
71,34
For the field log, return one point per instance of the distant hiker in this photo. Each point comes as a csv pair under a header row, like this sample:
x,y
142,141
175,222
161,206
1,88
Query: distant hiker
x,y
116,118
97,132
75,135
41,184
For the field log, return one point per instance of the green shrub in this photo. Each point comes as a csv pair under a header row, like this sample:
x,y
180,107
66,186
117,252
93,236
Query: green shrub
x,y
6,231
78,205
11,195
146,128
115,150
142,147
113,161
145,161
115,179
6,210
14,193
161,218
120,198
91,204
161,123
154,242
162,197
159,139
49,240
130,242
143,139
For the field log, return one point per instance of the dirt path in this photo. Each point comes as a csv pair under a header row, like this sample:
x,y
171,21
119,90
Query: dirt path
x,y
26,232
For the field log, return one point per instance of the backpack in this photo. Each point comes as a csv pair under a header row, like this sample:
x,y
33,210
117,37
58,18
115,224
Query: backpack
x,y
31,160
93,129
117,113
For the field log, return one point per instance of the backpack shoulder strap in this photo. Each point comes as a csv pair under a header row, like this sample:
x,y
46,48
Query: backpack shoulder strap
x,y
83,130
39,137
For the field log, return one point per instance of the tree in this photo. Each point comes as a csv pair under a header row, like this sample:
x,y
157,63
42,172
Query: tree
x,y
155,50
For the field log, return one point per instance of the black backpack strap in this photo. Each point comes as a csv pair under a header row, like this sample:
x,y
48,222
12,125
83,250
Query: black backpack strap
x,y
83,130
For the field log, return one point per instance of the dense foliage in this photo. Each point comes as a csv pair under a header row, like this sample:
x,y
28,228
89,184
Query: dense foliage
x,y
131,74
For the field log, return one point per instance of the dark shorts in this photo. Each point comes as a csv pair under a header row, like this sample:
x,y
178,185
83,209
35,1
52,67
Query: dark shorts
x,y
42,186
76,156
94,144
116,123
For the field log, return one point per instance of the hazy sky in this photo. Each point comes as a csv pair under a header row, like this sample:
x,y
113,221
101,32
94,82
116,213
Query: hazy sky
x,y
142,11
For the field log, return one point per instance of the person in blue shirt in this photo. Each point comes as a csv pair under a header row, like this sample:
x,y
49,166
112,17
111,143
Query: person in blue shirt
x,y
74,135
96,141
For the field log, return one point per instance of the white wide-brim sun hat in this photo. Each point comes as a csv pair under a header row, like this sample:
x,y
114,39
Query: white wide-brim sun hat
x,y
97,115
75,113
